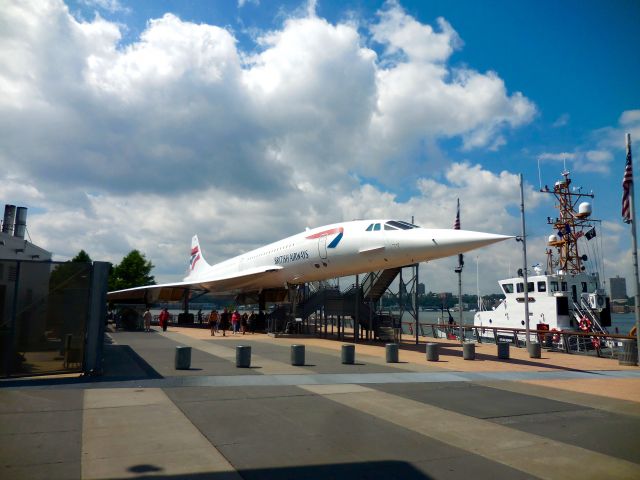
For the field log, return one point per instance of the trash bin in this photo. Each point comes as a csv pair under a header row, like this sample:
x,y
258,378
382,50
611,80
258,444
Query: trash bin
x,y
297,355
432,352
243,356
503,350
629,353
348,354
391,350
535,350
183,358
468,351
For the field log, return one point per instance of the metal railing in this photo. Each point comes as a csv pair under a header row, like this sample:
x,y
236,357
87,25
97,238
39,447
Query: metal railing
x,y
568,341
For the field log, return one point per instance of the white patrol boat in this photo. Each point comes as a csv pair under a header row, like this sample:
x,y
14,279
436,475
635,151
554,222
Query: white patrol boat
x,y
564,297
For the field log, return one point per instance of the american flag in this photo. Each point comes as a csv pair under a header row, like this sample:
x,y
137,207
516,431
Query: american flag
x,y
627,181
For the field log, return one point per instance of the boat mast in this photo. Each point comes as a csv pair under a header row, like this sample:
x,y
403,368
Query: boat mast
x,y
569,225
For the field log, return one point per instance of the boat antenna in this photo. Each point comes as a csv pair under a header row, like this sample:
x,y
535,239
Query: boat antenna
x,y
539,175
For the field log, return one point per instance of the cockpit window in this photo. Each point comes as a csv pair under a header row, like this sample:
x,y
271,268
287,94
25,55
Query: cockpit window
x,y
401,225
389,227
376,226
370,227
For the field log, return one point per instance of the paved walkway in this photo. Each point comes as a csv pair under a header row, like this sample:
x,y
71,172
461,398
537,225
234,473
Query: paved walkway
x,y
562,416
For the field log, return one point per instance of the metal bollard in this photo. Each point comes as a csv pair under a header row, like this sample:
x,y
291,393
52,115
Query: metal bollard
x,y
348,354
433,355
297,355
469,351
391,350
629,354
183,358
243,356
503,350
535,350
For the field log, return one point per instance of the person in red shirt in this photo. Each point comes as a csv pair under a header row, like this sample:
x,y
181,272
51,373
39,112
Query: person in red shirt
x,y
164,319
235,321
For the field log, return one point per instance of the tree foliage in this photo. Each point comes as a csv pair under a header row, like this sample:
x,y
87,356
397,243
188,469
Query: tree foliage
x,y
82,256
133,271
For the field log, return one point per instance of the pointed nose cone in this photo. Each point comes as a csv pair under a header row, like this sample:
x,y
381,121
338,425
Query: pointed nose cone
x,y
461,241
444,243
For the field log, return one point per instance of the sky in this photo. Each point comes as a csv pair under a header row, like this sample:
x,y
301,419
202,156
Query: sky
x,y
135,124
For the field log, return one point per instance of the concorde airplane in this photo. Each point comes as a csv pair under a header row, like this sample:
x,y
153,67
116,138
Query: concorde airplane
x,y
336,250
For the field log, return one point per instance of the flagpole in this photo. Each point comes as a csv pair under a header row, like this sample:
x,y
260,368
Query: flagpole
x,y
524,269
458,270
634,250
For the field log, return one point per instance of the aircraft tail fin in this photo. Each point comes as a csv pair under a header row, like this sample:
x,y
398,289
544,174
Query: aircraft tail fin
x,y
197,263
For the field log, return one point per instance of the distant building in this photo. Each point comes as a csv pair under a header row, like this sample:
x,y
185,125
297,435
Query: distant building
x,y
421,289
13,245
618,288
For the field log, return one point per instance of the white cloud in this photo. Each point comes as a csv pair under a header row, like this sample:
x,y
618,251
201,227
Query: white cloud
x,y
242,3
181,131
420,96
111,6
561,121
557,157
615,138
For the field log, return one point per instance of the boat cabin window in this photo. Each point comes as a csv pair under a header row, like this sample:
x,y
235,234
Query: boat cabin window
x,y
400,224
507,287
584,287
564,286
376,227
520,287
554,286
542,286
389,227
370,227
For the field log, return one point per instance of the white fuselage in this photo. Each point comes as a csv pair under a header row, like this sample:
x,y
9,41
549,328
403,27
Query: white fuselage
x,y
338,250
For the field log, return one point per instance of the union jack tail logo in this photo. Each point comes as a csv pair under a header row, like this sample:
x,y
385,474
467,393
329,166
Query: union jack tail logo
x,y
195,256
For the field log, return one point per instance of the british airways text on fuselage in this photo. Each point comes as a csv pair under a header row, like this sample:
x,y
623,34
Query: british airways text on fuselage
x,y
292,257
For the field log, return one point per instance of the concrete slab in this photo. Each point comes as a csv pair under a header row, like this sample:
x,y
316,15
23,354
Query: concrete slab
x,y
475,400
126,432
554,390
40,434
304,434
531,454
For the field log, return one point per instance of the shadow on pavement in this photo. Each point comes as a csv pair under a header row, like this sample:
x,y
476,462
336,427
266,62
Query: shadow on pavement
x,y
369,470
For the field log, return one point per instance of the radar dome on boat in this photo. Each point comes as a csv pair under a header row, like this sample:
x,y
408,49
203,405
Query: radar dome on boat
x,y
584,209
552,239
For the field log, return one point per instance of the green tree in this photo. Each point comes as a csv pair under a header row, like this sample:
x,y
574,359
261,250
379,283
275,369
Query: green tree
x,y
133,271
82,256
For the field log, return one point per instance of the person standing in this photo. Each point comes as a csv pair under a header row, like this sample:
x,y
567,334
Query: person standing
x,y
235,320
164,319
147,320
224,321
251,322
243,322
213,322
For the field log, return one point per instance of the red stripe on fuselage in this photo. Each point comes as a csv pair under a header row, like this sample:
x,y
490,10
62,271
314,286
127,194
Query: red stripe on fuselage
x,y
194,250
326,232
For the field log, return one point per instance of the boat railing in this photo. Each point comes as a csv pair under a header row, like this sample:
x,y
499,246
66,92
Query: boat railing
x,y
602,344
584,310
